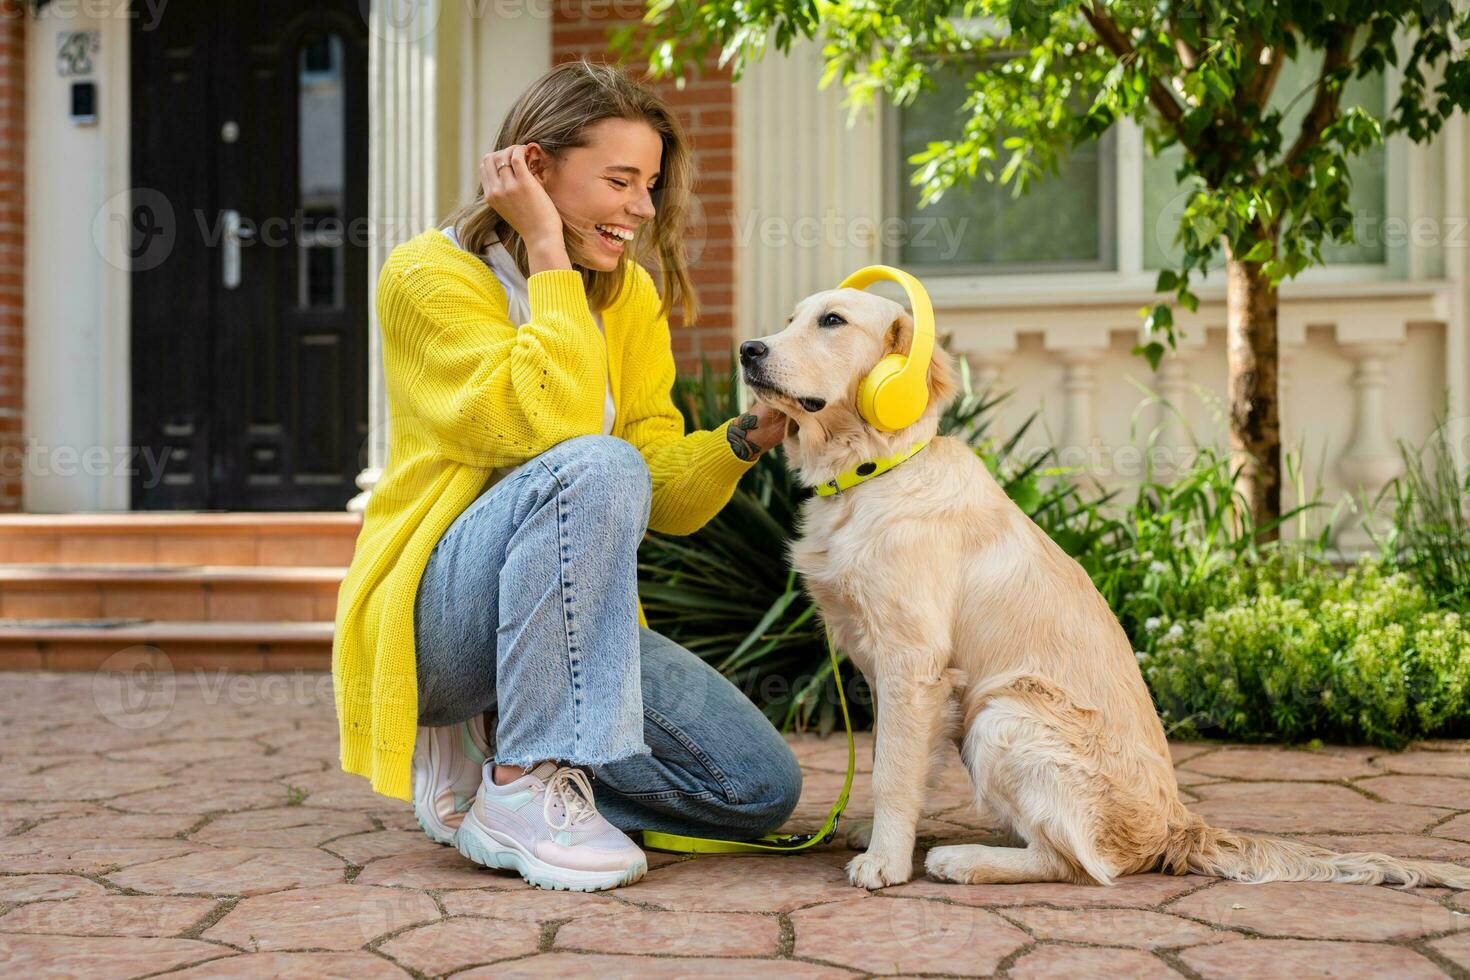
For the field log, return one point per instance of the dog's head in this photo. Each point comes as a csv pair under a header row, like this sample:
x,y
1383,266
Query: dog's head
x,y
812,369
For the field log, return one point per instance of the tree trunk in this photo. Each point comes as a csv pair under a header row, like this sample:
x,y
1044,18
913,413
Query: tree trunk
x,y
1255,418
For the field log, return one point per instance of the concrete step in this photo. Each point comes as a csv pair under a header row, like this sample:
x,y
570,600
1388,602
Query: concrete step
x,y
124,644
251,593
301,538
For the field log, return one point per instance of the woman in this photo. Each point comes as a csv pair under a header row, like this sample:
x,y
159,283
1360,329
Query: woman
x,y
491,653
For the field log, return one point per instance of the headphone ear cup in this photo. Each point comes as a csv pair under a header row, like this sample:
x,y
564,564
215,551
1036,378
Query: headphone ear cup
x,y
876,401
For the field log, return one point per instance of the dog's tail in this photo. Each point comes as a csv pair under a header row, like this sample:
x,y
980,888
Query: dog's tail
x,y
1196,846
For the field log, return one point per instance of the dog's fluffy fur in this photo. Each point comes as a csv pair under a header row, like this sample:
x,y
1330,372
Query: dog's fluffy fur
x,y
972,626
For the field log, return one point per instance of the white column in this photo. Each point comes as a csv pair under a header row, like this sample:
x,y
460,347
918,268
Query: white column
x,y
405,130
1457,270
987,368
1371,459
1175,440
441,76
987,379
1079,385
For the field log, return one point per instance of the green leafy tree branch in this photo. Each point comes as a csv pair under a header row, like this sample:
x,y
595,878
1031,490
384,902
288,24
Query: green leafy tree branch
x,y
1044,77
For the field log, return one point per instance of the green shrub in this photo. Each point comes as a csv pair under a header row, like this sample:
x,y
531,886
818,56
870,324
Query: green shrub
x,y
1239,638
1365,657
1179,546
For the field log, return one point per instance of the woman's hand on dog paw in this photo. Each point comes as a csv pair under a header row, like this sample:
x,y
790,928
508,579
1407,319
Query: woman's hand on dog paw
x,y
869,870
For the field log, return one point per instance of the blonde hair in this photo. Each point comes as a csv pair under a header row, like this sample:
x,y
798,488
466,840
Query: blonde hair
x,y
555,113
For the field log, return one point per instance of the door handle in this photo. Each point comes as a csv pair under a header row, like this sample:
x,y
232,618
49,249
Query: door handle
x,y
234,235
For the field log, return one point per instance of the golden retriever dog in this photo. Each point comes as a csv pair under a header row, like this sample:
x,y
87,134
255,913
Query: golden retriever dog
x,y
974,628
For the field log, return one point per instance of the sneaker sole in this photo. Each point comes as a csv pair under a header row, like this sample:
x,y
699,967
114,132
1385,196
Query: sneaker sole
x,y
484,848
437,832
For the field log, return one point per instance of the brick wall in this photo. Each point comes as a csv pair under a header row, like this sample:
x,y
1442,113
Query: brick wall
x,y
12,248
706,106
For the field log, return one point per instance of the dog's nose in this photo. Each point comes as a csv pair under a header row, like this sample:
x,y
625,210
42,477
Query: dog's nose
x,y
752,351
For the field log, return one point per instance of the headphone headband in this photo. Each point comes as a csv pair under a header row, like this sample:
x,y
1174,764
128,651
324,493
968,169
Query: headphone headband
x,y
896,392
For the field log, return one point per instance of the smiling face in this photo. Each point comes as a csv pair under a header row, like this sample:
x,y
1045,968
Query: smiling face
x,y
603,189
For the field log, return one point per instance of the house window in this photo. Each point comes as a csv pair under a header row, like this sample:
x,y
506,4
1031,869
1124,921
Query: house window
x,y
1164,197
1067,222
1063,223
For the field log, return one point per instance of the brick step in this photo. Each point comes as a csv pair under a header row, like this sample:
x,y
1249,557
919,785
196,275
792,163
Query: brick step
x,y
251,593
90,644
296,538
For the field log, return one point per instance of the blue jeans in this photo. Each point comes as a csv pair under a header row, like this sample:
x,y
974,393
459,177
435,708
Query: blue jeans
x,y
528,611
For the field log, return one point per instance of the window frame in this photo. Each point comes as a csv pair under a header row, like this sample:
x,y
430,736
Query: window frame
x,y
895,175
1121,263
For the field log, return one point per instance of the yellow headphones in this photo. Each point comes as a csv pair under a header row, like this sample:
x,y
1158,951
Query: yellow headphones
x,y
896,392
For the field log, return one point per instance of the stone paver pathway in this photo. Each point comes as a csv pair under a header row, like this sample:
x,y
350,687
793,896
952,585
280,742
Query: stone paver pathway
x,y
198,826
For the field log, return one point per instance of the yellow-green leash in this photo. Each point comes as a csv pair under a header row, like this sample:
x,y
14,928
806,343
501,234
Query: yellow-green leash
x,y
770,843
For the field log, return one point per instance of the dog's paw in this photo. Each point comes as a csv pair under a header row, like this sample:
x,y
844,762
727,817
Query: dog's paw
x,y
860,835
869,870
950,863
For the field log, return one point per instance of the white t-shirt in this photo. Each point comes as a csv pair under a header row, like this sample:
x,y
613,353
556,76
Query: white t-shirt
x,y
518,295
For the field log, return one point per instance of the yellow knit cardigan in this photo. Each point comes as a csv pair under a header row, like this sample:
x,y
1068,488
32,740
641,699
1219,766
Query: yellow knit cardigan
x,y
469,391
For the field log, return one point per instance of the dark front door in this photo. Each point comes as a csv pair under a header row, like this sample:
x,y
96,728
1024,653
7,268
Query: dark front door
x,y
248,253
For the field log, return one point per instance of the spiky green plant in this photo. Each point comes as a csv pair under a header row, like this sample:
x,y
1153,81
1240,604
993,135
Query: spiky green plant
x,y
1178,546
1429,536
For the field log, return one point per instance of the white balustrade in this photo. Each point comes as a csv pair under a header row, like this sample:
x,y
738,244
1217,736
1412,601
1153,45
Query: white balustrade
x,y
1371,459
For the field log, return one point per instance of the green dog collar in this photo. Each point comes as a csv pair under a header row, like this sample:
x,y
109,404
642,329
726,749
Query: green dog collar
x,y
865,471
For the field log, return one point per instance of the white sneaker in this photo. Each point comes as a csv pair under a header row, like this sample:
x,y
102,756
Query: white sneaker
x,y
447,766
545,826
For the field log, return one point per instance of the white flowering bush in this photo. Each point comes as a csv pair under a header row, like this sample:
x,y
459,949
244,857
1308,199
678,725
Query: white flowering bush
x,y
1366,657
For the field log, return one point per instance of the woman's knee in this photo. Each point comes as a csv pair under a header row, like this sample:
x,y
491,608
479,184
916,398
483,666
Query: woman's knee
x,y
609,470
748,776
789,789
773,791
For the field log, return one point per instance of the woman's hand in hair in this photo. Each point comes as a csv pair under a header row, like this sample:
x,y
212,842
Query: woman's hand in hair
x,y
515,193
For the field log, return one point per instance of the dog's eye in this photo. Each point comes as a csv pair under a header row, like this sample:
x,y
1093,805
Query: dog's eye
x,y
830,320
